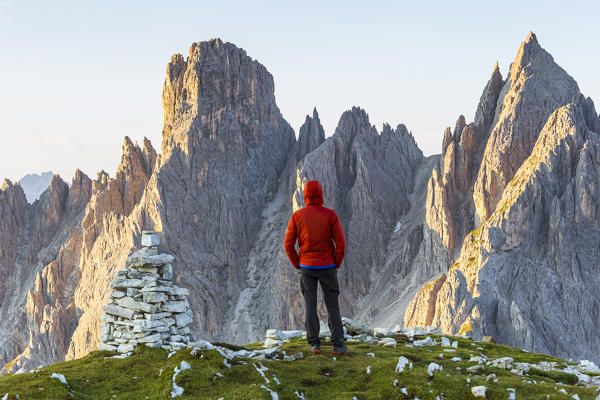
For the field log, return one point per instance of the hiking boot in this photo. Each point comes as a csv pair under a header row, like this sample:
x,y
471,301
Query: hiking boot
x,y
316,348
343,349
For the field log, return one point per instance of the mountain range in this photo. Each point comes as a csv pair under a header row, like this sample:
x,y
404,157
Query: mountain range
x,y
498,235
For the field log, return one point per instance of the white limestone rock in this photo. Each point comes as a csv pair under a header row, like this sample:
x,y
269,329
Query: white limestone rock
x,y
107,347
155,297
424,342
150,239
403,362
478,391
175,306
324,330
143,258
356,328
283,335
130,303
118,311
60,377
433,368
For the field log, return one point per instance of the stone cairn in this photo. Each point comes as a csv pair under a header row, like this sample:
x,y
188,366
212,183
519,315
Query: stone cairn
x,y
145,306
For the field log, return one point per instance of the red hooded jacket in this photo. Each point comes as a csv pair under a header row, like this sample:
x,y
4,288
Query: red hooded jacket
x,y
316,228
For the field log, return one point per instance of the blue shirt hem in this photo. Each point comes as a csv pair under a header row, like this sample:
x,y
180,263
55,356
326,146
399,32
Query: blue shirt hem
x,y
317,266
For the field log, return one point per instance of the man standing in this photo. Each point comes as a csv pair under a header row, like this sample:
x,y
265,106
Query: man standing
x,y
322,246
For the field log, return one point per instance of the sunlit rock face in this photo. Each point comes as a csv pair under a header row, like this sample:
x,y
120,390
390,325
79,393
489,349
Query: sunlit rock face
x,y
496,235
534,88
526,274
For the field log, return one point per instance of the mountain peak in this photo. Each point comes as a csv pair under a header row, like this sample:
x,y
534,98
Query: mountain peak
x,y
534,88
352,123
529,50
310,137
496,69
6,184
216,79
531,38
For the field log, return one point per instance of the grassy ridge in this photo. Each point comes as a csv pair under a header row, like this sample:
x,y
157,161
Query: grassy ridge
x,y
148,373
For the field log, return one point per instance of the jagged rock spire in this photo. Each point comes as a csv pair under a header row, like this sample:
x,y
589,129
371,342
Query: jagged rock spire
x,y
311,136
486,108
534,88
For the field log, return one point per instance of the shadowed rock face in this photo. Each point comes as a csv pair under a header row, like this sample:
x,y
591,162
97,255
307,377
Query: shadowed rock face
x,y
230,174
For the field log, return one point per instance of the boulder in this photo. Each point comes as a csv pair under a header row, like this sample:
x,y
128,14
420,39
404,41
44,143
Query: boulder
x,y
424,342
433,330
356,328
324,330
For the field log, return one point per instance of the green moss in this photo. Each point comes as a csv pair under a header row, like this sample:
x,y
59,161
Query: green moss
x,y
148,374
555,376
230,346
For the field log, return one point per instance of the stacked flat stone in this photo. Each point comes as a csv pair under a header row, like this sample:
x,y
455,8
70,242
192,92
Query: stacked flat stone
x,y
145,306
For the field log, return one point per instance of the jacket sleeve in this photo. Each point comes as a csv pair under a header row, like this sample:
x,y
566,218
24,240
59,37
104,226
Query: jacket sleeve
x,y
340,240
291,235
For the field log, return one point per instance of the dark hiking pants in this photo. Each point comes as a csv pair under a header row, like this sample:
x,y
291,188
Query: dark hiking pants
x,y
329,285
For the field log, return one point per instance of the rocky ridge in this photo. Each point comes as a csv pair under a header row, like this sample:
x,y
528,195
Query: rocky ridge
x,y
229,175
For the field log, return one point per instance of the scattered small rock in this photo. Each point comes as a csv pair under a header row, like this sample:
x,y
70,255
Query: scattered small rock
x,y
402,363
60,377
178,390
274,395
433,367
478,391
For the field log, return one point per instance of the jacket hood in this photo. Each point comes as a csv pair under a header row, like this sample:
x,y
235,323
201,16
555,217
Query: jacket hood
x,y
313,193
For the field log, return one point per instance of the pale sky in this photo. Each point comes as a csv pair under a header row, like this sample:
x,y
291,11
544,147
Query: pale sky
x,y
77,76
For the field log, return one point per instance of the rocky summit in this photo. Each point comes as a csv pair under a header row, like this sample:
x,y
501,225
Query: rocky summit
x,y
402,363
497,236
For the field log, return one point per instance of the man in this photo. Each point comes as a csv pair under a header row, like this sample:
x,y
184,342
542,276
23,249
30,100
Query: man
x,y
322,246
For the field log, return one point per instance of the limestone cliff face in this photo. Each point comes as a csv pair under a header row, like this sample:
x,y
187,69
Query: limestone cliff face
x,y
534,88
366,178
224,147
516,275
34,238
46,295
